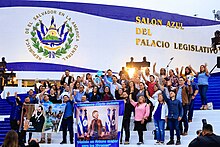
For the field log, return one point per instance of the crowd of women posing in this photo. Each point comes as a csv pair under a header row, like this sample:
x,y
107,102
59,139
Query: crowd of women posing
x,y
159,97
162,98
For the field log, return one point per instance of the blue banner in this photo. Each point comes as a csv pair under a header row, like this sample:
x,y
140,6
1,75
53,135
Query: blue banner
x,y
98,123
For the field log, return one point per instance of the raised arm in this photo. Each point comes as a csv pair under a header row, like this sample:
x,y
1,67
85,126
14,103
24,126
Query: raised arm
x,y
61,80
7,99
93,82
150,98
18,99
177,72
72,78
132,101
58,94
181,71
193,70
106,80
164,94
154,70
206,69
144,77
71,91
117,96
96,84
41,95
83,79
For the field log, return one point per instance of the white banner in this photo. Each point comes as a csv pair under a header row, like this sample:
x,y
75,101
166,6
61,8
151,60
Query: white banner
x,y
100,40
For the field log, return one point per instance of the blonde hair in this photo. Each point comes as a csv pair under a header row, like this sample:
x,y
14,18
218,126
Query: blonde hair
x,y
139,100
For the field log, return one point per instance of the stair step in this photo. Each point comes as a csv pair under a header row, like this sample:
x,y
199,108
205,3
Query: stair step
x,y
212,116
4,127
2,135
4,123
4,131
4,113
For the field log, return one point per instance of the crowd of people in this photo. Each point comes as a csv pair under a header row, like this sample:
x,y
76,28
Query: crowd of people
x,y
164,97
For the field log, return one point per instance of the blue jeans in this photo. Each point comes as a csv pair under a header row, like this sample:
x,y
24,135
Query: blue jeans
x,y
160,131
202,91
191,109
174,125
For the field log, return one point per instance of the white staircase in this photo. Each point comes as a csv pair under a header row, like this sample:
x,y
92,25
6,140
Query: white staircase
x,y
212,116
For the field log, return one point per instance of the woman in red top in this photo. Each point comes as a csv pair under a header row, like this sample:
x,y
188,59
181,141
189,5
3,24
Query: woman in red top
x,y
107,96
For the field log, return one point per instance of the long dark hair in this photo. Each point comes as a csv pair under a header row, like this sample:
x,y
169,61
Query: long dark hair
x,y
133,84
108,94
74,87
172,71
109,90
164,71
97,90
129,88
143,85
190,71
88,74
200,69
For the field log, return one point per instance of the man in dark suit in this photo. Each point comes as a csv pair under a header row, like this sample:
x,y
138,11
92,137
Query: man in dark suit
x,y
206,139
66,78
38,119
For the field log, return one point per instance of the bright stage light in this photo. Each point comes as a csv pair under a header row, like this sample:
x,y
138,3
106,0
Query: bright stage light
x,y
14,79
143,69
131,72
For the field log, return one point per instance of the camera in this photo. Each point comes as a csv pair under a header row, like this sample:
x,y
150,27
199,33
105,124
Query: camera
x,y
199,132
204,122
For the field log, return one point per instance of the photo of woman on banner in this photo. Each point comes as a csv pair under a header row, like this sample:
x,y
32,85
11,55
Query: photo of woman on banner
x,y
37,120
95,128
